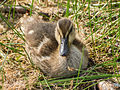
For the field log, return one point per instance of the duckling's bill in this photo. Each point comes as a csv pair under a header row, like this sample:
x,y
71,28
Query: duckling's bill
x,y
64,47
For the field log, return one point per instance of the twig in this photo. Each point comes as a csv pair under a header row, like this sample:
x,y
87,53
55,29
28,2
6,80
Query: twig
x,y
18,9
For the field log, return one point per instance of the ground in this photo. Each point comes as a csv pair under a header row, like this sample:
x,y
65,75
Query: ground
x,y
98,29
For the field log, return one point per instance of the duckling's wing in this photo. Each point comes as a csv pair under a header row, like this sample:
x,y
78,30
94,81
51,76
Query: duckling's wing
x,y
80,46
39,35
84,53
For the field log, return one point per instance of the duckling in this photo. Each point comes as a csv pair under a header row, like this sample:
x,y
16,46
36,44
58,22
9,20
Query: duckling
x,y
54,47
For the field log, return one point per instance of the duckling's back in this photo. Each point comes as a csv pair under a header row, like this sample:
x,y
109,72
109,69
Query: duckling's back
x,y
39,35
36,30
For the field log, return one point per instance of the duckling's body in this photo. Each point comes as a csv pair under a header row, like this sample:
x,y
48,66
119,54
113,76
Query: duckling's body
x,y
43,44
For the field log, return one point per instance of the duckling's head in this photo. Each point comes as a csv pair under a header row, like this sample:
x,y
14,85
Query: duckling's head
x,y
64,34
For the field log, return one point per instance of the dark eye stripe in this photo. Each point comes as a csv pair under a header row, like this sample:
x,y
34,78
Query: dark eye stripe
x,y
70,31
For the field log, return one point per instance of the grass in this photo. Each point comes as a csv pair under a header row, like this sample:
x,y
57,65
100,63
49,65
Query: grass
x,y
100,23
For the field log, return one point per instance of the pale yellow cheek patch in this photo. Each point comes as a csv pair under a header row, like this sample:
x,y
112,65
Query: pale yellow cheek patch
x,y
31,32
